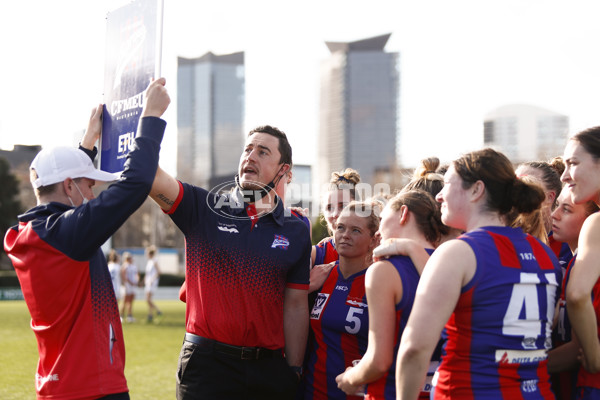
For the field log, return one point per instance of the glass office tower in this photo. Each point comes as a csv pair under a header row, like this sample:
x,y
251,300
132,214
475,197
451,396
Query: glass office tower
x,y
210,117
359,109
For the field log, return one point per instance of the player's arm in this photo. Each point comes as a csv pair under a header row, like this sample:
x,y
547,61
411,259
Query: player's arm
x,y
564,357
584,275
165,189
450,267
295,324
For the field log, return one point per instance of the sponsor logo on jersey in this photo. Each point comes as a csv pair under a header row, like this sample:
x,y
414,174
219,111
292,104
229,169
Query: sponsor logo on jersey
x,y
43,379
520,356
280,241
342,288
320,302
356,302
529,386
230,228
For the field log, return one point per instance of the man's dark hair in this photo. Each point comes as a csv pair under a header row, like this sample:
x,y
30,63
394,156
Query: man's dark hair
x,y
284,146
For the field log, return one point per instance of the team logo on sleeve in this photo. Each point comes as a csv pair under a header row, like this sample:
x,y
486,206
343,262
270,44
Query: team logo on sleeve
x,y
320,302
280,241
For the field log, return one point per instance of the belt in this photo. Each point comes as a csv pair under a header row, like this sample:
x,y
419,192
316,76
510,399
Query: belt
x,y
239,352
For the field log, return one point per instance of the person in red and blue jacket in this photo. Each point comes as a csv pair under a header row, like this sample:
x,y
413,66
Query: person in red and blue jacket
x,y
63,273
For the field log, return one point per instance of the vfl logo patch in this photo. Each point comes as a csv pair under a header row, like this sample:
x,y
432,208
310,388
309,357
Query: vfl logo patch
x,y
227,228
280,241
320,302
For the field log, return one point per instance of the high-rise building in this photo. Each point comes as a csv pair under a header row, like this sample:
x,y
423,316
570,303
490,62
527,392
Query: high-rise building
x,y
210,117
526,133
359,109
299,193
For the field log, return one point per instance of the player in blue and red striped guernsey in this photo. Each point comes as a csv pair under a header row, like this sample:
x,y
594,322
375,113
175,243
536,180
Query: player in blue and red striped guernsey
x,y
391,285
561,250
547,174
325,252
494,288
582,177
563,364
339,318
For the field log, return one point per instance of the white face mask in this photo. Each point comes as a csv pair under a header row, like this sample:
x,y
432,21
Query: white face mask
x,y
85,200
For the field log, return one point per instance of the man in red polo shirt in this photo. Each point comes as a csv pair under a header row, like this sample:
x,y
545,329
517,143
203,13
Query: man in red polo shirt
x,y
247,271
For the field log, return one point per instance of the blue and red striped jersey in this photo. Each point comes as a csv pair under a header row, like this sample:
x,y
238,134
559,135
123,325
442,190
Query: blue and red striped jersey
x,y
562,332
385,387
500,331
325,252
340,323
561,250
563,383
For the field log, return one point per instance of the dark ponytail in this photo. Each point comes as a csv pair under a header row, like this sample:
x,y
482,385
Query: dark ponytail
x,y
504,191
526,197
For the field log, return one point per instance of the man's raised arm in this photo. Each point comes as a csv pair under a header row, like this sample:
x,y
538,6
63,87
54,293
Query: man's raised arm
x,y
165,189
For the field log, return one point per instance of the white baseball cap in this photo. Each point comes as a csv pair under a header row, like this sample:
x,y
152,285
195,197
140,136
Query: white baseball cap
x,y
56,164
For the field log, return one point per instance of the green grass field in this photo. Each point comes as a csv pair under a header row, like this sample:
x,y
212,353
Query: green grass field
x,y
152,351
